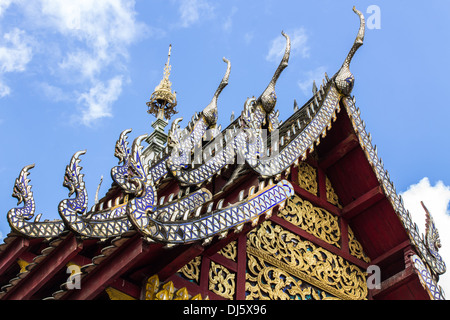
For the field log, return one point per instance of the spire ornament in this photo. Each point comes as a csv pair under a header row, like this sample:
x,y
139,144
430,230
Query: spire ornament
x,y
344,79
162,105
163,101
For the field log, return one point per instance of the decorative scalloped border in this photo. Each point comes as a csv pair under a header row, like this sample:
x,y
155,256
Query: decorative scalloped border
x,y
388,186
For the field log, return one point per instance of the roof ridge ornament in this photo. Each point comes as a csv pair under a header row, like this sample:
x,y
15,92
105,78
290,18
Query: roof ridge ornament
x,y
210,112
433,243
344,79
70,209
19,218
268,98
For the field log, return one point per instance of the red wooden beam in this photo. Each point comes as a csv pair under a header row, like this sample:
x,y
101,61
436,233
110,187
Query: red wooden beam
x,y
192,288
394,250
108,270
227,263
169,261
339,151
27,256
179,261
364,202
127,287
81,260
13,252
319,242
241,266
394,282
343,224
218,244
323,203
163,261
322,183
204,274
43,271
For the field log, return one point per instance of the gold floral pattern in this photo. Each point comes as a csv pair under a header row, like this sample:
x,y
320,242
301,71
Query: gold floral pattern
x,y
266,282
355,247
302,259
315,220
307,177
331,194
222,281
191,270
229,251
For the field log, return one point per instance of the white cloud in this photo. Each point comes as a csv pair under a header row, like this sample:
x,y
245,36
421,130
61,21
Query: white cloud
x,y
4,89
15,51
436,198
191,11
53,93
87,64
98,101
228,22
15,54
101,32
82,44
248,37
299,45
4,4
306,83
103,29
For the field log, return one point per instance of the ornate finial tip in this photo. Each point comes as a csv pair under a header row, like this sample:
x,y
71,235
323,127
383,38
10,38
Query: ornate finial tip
x,y
79,153
356,10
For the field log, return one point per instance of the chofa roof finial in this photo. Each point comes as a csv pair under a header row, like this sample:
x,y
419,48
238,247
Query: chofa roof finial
x,y
433,244
431,233
268,98
210,112
344,79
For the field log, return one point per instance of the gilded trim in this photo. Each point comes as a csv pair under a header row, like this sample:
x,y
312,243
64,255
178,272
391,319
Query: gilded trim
x,y
304,260
314,220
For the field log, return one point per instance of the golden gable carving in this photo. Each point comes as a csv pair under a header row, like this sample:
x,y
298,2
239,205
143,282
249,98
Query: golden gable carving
x,y
302,259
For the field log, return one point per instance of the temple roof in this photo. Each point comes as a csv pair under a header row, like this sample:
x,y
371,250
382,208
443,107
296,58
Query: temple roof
x,y
179,198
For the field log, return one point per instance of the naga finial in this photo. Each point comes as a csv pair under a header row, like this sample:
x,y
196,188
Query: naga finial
x,y
431,233
344,79
210,112
433,244
268,98
173,137
73,178
19,218
98,190
22,190
139,169
121,149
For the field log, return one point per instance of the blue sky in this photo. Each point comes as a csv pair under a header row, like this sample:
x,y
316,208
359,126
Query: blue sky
x,y
73,75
